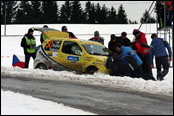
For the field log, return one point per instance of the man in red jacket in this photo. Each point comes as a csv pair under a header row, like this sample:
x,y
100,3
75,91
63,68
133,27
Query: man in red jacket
x,y
143,51
140,36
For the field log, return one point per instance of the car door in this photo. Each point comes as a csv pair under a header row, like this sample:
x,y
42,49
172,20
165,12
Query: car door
x,y
69,57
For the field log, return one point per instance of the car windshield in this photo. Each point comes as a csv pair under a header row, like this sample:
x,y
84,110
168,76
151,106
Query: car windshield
x,y
96,49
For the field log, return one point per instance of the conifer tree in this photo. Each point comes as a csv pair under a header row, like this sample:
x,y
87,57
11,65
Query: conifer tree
x,y
147,18
65,12
77,15
23,15
122,16
50,12
112,16
36,12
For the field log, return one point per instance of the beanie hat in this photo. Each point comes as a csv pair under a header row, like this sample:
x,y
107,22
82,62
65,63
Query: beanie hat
x,y
135,31
45,26
113,36
30,30
64,28
123,34
96,33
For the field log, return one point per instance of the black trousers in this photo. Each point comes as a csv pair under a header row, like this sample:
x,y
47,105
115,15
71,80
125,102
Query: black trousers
x,y
27,58
146,67
162,62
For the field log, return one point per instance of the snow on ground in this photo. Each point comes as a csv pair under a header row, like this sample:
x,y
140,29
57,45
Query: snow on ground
x,y
18,104
11,45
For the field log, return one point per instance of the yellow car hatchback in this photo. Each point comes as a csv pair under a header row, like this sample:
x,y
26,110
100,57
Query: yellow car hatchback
x,y
59,52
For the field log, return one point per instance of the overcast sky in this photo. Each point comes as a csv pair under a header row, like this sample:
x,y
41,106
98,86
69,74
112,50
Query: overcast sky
x,y
134,9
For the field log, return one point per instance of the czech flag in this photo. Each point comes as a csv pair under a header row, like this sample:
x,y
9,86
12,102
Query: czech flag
x,y
17,62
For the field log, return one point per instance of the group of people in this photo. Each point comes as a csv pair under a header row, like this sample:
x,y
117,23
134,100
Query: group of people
x,y
134,59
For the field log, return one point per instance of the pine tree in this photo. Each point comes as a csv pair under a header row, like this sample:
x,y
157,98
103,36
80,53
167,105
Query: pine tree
x,y
122,16
104,15
147,18
36,12
90,13
98,13
77,15
50,12
133,22
10,11
2,12
23,15
112,16
65,12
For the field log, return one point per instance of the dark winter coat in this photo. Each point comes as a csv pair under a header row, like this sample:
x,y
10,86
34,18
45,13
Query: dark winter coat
x,y
125,42
158,48
118,66
111,44
100,39
71,35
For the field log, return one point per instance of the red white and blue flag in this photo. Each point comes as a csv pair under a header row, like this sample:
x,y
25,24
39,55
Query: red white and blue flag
x,y
17,62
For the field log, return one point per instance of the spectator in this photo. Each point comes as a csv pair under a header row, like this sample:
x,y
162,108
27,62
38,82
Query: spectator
x,y
140,36
29,43
114,40
143,51
127,50
97,38
43,36
157,49
125,41
71,35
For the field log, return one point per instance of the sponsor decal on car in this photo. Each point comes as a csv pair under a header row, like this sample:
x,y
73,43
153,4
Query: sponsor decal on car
x,y
73,58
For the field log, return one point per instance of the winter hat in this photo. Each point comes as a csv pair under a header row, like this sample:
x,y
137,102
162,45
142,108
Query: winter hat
x,y
45,26
135,31
123,34
96,33
64,28
113,36
30,30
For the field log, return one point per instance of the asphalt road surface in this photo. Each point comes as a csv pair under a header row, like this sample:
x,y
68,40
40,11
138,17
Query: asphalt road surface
x,y
96,99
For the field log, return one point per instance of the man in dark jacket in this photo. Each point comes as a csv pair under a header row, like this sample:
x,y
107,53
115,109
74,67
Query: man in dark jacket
x,y
114,40
157,49
29,43
124,40
97,38
71,35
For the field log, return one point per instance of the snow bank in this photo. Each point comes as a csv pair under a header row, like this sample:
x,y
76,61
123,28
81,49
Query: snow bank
x,y
19,104
133,84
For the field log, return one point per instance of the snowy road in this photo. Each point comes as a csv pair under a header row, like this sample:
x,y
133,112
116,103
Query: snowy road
x,y
93,98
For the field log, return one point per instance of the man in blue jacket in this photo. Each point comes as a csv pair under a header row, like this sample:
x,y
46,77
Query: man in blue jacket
x,y
129,51
158,49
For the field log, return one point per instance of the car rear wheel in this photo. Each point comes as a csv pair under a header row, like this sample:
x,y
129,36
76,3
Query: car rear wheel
x,y
42,66
91,70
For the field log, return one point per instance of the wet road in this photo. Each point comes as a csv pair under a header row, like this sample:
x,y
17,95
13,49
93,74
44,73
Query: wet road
x,y
95,99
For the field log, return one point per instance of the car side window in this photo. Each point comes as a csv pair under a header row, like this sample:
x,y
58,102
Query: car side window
x,y
70,47
53,46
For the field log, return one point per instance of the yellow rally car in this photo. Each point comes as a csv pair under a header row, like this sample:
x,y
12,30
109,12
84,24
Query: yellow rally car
x,y
59,52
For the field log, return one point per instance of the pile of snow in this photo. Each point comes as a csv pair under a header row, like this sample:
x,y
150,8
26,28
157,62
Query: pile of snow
x,y
18,104
164,87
